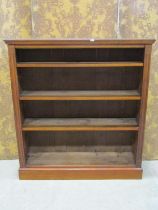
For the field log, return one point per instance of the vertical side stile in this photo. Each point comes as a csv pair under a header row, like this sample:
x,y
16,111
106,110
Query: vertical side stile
x,y
16,103
143,105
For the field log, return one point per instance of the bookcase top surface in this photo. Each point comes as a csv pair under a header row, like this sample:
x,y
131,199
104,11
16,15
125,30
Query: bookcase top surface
x,y
89,41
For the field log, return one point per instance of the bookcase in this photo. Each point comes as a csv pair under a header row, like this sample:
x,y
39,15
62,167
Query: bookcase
x,y
80,107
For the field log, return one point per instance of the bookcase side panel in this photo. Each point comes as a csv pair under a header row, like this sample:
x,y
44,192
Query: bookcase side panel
x,y
16,103
143,105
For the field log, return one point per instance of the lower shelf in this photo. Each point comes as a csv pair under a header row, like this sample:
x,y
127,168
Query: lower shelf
x,y
79,173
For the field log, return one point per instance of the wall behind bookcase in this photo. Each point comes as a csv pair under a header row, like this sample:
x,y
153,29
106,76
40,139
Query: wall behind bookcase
x,y
77,19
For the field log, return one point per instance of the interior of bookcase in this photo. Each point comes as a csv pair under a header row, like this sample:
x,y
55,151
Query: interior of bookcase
x,y
80,148
50,125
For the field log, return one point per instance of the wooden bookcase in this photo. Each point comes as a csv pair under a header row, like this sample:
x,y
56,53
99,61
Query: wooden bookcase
x,y
80,107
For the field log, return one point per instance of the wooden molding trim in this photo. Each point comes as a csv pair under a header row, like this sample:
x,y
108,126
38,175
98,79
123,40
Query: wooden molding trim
x,y
79,173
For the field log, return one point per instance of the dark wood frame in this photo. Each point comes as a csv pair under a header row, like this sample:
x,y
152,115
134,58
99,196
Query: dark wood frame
x,y
74,172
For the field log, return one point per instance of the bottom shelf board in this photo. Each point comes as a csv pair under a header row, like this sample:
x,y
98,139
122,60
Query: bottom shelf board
x,y
80,158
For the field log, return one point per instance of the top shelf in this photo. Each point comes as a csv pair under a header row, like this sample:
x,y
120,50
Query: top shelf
x,y
79,64
74,41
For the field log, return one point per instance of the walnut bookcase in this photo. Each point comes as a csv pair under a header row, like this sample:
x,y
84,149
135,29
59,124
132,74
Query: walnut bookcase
x,y
80,107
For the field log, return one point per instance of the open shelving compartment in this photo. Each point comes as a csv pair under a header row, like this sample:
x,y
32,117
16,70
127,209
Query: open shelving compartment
x,y
80,108
85,126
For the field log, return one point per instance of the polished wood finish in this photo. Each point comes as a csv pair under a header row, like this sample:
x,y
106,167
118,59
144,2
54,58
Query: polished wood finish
x,y
80,124
143,106
81,95
80,128
81,42
79,173
17,110
80,107
81,64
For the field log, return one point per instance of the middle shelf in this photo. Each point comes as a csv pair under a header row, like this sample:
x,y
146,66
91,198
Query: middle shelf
x,y
87,124
79,64
81,95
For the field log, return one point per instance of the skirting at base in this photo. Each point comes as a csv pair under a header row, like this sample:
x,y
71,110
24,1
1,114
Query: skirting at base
x,y
79,173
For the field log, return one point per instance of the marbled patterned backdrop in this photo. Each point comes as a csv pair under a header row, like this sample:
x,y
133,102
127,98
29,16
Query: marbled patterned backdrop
x,y
76,18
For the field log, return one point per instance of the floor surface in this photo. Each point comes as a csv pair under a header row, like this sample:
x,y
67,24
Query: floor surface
x,y
78,195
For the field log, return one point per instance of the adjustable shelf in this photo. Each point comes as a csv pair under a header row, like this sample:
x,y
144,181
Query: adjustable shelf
x,y
81,95
79,64
80,107
100,124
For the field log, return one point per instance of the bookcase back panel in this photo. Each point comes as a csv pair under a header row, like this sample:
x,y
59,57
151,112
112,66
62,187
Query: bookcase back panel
x,y
79,139
80,55
79,109
123,78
